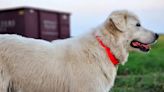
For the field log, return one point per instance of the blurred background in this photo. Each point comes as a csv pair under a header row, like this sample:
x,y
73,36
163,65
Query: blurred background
x,y
143,72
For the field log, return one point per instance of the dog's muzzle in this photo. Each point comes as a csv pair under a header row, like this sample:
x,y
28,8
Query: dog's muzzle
x,y
145,47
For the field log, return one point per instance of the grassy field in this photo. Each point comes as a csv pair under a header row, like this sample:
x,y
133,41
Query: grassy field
x,y
143,72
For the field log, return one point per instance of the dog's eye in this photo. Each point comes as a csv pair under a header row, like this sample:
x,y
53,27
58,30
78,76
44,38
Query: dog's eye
x,y
138,24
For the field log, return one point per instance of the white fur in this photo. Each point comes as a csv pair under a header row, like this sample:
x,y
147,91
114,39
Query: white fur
x,y
77,64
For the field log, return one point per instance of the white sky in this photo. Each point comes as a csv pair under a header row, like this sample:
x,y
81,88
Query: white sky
x,y
90,13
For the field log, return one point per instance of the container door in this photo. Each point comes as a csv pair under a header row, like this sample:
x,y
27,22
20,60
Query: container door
x,y
48,26
64,25
64,31
12,22
31,23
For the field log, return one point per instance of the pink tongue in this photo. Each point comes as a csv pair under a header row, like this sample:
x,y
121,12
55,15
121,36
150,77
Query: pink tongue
x,y
136,44
141,45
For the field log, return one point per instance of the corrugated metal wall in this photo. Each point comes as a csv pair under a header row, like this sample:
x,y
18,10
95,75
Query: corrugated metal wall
x,y
35,23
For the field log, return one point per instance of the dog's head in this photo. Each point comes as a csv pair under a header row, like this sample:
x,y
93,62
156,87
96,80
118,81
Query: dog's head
x,y
131,32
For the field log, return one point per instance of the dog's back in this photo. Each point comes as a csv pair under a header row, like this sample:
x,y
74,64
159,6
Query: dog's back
x,y
27,64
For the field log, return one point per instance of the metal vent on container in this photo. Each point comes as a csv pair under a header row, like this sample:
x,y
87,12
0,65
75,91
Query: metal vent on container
x,y
31,11
65,17
21,12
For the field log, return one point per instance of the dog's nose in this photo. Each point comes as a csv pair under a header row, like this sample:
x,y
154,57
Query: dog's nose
x,y
156,35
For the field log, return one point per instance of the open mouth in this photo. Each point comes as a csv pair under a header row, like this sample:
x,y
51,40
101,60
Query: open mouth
x,y
142,46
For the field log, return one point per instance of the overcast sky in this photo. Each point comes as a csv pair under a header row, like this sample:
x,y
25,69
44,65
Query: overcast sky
x,y
87,14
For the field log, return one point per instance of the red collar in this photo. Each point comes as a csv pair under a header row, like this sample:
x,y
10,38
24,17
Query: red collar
x,y
110,55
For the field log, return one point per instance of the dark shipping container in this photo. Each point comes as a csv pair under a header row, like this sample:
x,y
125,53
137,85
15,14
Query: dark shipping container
x,y
35,23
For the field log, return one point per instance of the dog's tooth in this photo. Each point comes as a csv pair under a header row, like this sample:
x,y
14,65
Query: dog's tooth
x,y
146,46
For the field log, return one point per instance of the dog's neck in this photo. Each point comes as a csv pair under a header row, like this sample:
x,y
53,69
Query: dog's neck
x,y
117,46
109,54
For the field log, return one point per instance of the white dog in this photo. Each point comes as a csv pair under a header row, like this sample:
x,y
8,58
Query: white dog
x,y
87,63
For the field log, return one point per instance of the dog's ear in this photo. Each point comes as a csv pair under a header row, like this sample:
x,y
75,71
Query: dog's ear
x,y
119,20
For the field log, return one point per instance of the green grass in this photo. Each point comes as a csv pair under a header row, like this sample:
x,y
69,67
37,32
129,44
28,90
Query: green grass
x,y
143,72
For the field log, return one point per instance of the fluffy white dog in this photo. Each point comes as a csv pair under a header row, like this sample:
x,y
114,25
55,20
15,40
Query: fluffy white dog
x,y
87,63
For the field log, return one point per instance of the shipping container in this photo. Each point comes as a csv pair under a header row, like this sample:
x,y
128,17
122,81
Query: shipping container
x,y
35,23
